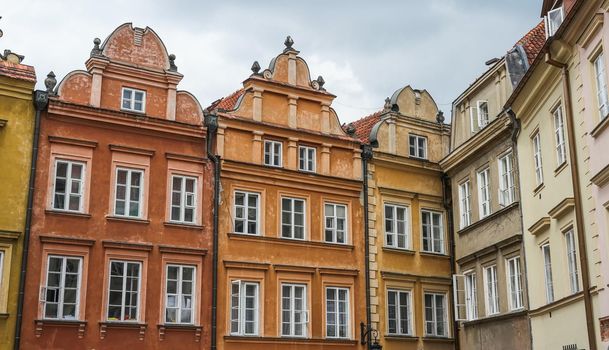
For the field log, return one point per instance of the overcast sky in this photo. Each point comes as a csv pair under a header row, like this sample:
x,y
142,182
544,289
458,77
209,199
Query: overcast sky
x,y
365,50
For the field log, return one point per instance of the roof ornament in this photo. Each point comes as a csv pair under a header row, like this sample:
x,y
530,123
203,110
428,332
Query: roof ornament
x,y
440,117
350,129
321,82
387,105
1,30
255,68
288,44
50,82
96,51
172,63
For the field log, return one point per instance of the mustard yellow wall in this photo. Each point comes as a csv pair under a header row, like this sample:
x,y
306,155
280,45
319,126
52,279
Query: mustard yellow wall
x,y
16,146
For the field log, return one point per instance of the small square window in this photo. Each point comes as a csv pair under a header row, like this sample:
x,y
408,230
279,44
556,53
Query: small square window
x,y
306,160
133,100
418,146
273,153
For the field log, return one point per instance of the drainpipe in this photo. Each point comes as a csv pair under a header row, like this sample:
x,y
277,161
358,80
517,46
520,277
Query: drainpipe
x,y
211,122
447,199
579,215
41,100
366,157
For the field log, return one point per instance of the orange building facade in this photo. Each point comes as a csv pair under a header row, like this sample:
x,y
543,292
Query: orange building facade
x,y
291,270
119,254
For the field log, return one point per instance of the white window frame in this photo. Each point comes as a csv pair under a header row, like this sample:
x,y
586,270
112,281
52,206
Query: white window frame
x,y
292,214
465,207
507,188
484,193
471,295
491,290
399,317
124,290
414,150
547,263
434,315
537,159
184,199
334,226
559,136
307,158
245,208
179,294
128,188
427,232
600,78
482,122
514,285
61,289
69,181
571,250
275,155
550,27
241,308
132,101
394,234
336,319
304,313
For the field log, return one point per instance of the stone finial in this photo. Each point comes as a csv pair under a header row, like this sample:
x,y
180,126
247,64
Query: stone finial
x,y
255,68
440,117
172,63
321,82
288,44
96,51
50,82
350,129
387,105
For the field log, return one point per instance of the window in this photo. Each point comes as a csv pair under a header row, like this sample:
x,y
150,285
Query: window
x,y
129,184
294,313
482,114
418,146
464,205
246,212
306,158
484,196
490,289
61,294
179,292
506,181
537,158
337,312
559,133
124,291
433,231
436,318
547,263
572,261
68,185
515,283
134,100
244,308
553,21
601,86
396,229
335,223
292,218
471,296
272,153
183,199
399,312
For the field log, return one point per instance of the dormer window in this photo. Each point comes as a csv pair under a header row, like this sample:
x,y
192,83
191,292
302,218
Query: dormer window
x,y
482,114
133,100
553,20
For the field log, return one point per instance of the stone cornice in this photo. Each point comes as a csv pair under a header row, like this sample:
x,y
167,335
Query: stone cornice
x,y
601,178
405,163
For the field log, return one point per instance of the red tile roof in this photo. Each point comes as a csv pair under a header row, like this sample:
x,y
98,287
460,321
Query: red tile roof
x,y
533,41
17,71
227,103
364,125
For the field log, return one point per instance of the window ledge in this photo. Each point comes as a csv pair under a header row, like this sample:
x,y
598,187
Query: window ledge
x,y
401,337
560,168
438,339
488,218
435,255
288,340
496,317
42,323
163,328
4,315
398,250
67,213
286,241
103,327
183,225
538,189
127,219
602,125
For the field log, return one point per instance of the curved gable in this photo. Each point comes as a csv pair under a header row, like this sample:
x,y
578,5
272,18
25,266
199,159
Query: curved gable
x,y
141,47
415,103
188,109
75,87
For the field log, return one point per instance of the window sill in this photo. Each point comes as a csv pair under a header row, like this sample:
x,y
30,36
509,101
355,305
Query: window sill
x,y
4,315
163,328
435,255
42,323
286,340
133,111
496,317
67,213
438,339
538,189
398,250
127,219
418,158
602,125
103,327
401,337
287,241
560,168
183,225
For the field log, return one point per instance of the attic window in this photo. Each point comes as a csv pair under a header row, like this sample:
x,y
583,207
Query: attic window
x,y
133,100
553,20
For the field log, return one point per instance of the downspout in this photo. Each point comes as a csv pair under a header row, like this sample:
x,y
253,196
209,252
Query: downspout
x,y
41,100
366,156
579,215
447,201
211,123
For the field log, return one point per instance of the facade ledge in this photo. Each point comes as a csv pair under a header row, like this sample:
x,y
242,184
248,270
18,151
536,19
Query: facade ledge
x,y
3,123
104,325
540,226
67,240
294,268
246,265
557,304
488,218
67,213
4,315
515,238
10,235
438,339
400,337
185,158
560,168
285,340
133,150
400,276
183,225
182,250
292,242
127,245
601,178
496,318
73,142
42,323
435,255
163,328
399,250
562,208
538,189
127,219
598,129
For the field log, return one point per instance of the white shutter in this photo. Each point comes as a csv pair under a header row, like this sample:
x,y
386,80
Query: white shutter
x,y
473,117
43,294
459,297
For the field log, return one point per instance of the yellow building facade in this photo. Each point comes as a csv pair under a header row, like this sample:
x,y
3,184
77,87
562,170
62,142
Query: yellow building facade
x,y
16,131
